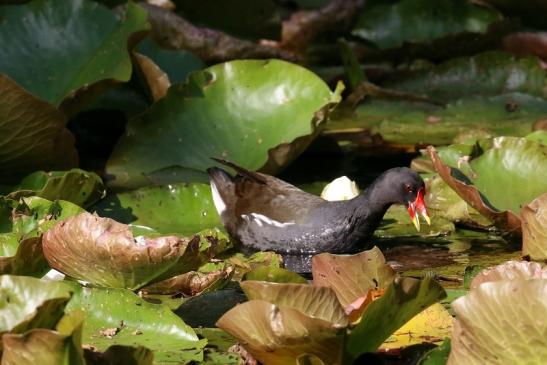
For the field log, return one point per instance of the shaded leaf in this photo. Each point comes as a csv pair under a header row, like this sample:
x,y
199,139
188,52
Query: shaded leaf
x,y
501,322
138,323
251,19
418,21
277,335
105,252
117,354
314,302
77,186
404,298
61,346
486,74
28,303
239,110
177,208
534,229
436,356
33,134
177,64
86,44
352,276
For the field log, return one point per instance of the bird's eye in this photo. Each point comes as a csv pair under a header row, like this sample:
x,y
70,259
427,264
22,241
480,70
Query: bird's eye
x,y
408,188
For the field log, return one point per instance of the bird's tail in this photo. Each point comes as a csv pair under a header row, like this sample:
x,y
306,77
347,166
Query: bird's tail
x,y
219,176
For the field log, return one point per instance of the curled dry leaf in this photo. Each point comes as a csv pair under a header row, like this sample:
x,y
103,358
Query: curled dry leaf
x,y
510,270
276,335
313,301
154,77
506,220
352,276
534,229
191,283
105,252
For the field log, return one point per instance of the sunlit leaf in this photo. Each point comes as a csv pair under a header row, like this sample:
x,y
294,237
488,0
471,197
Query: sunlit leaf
x,y
534,228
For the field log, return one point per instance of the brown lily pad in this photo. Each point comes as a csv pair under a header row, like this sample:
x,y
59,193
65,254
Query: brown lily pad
x,y
106,253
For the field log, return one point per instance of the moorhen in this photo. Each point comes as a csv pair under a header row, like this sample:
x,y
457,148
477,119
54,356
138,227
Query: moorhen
x,y
267,214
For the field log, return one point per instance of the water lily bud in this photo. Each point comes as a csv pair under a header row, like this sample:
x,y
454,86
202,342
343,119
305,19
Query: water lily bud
x,y
341,188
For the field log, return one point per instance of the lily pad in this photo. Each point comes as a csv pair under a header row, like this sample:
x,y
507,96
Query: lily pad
x,y
315,302
405,298
76,186
105,252
249,112
444,202
390,25
274,275
54,50
510,270
21,250
277,335
134,322
42,140
504,174
352,276
405,122
486,74
518,307
192,283
178,208
58,346
28,303
534,229
432,325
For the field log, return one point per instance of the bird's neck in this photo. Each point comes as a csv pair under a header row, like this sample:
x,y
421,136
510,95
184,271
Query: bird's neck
x,y
375,199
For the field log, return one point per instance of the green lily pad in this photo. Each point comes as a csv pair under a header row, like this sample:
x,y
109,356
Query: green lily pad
x,y
274,275
27,303
436,356
397,223
106,253
517,306
404,122
76,186
21,250
174,209
444,202
120,317
177,64
418,21
42,140
503,175
534,229
281,338
486,74
61,346
404,298
246,111
352,276
85,44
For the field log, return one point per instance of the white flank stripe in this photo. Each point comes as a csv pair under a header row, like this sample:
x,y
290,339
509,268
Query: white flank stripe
x,y
262,219
219,203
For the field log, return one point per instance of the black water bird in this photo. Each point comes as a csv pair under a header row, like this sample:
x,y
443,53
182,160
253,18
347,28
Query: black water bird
x,y
268,214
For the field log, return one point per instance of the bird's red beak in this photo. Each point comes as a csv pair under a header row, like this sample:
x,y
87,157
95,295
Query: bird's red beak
x,y
416,208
